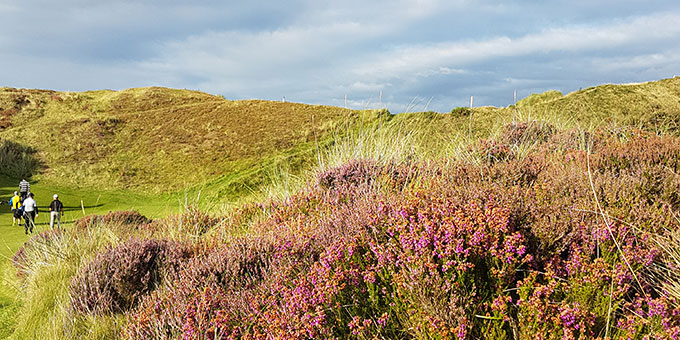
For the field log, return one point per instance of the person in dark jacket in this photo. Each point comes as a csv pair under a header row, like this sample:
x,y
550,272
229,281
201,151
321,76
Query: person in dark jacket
x,y
56,211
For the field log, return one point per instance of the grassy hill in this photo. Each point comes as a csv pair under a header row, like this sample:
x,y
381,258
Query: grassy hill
x,y
652,105
162,140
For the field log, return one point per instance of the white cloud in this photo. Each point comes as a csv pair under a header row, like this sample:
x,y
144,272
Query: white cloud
x,y
442,70
8,8
417,59
316,51
368,87
644,61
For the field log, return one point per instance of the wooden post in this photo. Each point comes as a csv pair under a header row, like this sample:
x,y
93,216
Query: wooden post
x,y
470,119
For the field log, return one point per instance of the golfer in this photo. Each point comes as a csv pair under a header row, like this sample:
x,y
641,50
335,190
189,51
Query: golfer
x,y
56,211
30,212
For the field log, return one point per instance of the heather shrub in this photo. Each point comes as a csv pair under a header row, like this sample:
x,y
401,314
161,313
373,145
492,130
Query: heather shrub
x,y
197,297
570,140
117,278
192,222
127,218
492,151
638,150
526,132
557,243
344,264
597,289
355,172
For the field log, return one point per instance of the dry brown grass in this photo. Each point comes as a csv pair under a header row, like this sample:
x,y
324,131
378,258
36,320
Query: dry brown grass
x,y
158,139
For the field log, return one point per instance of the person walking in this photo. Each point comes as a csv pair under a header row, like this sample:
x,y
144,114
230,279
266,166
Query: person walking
x,y
56,211
30,213
24,188
14,204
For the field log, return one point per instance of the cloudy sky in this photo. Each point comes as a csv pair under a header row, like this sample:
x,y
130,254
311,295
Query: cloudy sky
x,y
420,53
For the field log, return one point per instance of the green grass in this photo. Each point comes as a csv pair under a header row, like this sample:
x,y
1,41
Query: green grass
x,y
13,237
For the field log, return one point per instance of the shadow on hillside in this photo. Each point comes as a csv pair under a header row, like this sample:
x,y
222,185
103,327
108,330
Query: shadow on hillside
x,y
19,161
70,208
5,209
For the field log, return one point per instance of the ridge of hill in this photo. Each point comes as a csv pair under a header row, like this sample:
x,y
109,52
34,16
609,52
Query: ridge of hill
x,y
166,140
651,105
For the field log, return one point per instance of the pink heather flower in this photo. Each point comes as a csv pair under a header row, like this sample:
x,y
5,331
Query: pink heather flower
x,y
355,325
382,321
369,277
461,331
657,307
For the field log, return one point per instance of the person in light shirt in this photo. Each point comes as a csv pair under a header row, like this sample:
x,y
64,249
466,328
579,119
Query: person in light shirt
x,y
30,213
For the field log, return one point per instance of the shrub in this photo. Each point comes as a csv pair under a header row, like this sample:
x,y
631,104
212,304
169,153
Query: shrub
x,y
124,218
526,132
597,288
461,111
492,151
202,291
117,278
367,173
354,173
192,221
507,248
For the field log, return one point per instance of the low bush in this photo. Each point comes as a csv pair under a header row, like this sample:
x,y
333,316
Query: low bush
x,y
192,221
354,173
508,248
119,277
526,132
122,218
358,173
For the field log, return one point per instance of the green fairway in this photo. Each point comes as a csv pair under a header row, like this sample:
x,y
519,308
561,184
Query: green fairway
x,y
77,203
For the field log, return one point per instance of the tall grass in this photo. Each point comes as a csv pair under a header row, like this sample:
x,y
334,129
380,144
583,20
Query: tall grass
x,y
666,274
45,266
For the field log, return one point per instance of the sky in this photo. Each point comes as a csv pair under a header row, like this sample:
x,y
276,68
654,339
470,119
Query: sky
x,y
405,55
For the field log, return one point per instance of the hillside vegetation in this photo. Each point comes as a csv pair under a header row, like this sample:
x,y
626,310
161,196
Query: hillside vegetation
x,y
160,139
165,140
555,218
